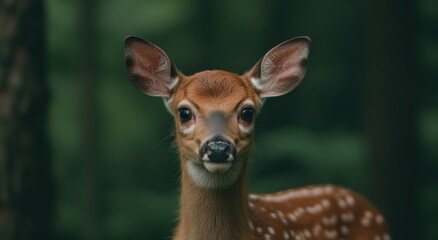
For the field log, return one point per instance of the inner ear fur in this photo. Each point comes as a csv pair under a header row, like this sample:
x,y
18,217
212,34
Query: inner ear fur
x,y
149,68
282,68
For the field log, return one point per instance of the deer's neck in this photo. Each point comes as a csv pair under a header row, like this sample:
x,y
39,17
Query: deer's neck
x,y
218,213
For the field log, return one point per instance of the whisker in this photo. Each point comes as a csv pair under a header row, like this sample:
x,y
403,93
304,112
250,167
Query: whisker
x,y
171,134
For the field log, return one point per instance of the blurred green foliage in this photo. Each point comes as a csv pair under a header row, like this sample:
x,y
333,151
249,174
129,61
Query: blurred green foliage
x,y
310,136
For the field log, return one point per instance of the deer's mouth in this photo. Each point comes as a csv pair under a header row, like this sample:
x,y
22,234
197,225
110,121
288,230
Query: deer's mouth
x,y
217,154
217,167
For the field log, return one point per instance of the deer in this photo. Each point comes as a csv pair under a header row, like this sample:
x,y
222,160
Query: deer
x,y
214,113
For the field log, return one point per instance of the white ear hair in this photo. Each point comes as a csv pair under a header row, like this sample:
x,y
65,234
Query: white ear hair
x,y
282,68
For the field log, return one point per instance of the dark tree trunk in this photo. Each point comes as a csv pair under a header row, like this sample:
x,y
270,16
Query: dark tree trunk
x,y
389,95
89,116
26,185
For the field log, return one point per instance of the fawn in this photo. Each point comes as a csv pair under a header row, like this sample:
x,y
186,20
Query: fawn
x,y
214,114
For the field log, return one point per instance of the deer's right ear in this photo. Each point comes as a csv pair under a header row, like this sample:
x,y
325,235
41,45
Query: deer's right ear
x,y
149,68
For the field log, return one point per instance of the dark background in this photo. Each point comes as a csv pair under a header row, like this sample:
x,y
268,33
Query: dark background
x,y
102,165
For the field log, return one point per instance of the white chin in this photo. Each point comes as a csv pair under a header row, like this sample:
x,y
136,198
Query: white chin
x,y
214,175
217,167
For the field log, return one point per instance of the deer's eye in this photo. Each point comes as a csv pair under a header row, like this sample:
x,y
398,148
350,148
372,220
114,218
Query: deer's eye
x,y
184,114
247,114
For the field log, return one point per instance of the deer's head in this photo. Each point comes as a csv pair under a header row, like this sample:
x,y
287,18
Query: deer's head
x,y
214,111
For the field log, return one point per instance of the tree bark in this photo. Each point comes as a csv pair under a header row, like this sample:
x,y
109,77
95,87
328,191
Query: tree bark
x,y
26,184
389,101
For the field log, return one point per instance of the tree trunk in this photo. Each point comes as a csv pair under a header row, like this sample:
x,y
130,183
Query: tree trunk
x,y
389,95
26,184
89,116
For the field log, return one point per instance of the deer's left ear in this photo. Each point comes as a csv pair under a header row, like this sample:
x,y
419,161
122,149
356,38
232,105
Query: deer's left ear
x,y
282,68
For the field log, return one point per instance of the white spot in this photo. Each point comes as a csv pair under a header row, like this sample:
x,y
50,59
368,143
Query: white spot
x,y
259,230
273,215
344,230
253,196
350,200
267,236
251,226
282,217
305,192
263,209
300,211
330,221
368,214
342,204
285,196
271,230
379,219
328,189
365,222
285,235
316,229
386,237
317,191
315,209
331,234
270,198
251,205
325,203
292,217
307,233
347,217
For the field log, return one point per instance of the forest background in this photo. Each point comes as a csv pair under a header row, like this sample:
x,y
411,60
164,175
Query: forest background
x,y
84,155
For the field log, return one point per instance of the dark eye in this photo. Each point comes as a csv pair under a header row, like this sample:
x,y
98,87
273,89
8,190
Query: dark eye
x,y
184,114
247,115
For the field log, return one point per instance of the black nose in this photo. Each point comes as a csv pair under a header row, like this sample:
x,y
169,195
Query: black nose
x,y
217,149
